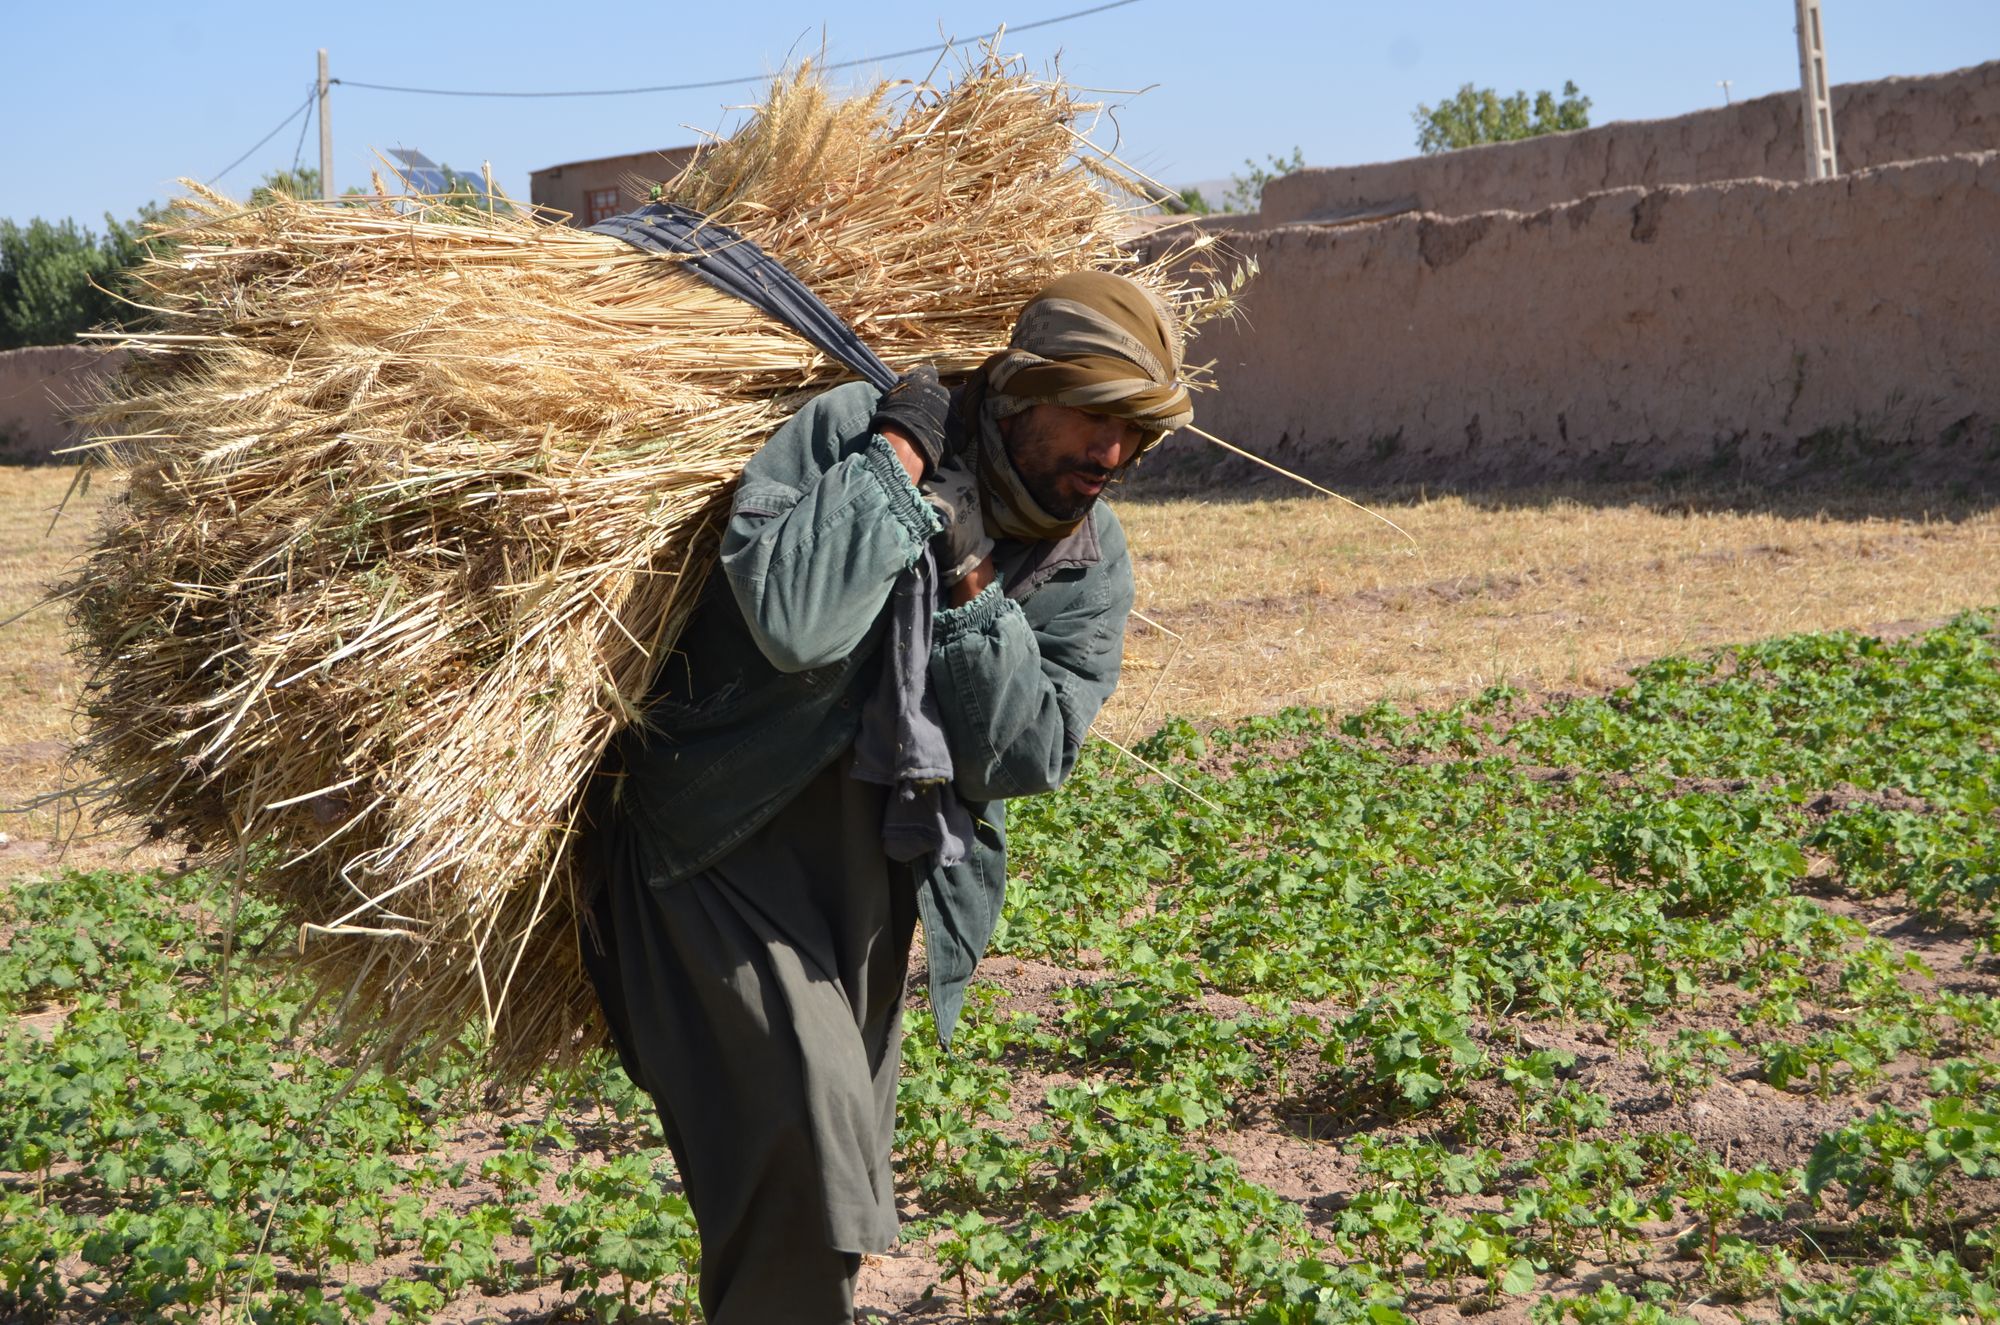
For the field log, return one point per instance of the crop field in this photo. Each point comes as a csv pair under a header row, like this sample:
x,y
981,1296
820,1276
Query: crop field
x,y
1674,999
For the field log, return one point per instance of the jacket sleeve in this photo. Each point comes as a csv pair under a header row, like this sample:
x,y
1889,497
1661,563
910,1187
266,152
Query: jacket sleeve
x,y
1016,699
818,532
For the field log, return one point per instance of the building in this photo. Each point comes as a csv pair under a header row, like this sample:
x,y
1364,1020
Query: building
x,y
589,191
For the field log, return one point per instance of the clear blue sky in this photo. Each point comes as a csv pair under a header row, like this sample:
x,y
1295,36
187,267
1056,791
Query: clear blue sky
x,y
103,105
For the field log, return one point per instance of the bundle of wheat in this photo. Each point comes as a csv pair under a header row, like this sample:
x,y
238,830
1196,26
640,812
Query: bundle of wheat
x,y
419,496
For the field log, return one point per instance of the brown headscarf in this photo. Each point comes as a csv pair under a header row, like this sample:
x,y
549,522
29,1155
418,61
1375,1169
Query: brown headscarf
x,y
1092,341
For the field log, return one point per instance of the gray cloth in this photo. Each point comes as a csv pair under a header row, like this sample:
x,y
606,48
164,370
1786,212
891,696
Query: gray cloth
x,y
901,743
759,1002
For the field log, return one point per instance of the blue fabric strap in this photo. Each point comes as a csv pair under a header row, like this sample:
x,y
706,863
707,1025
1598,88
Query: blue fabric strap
x,y
736,266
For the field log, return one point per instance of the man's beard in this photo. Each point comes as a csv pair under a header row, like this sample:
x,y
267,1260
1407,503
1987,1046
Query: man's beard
x,y
1042,476
1047,491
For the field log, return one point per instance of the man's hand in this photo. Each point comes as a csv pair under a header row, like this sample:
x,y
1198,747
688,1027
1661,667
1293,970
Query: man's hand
x,y
953,493
973,584
913,412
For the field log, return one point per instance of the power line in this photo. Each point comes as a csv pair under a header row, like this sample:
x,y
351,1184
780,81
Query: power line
x,y
931,49
298,148
265,139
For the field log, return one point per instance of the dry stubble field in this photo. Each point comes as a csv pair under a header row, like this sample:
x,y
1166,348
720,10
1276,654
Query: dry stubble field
x,y
1297,600
1252,605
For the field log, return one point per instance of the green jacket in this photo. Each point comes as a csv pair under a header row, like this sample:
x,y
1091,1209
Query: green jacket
x,y
767,683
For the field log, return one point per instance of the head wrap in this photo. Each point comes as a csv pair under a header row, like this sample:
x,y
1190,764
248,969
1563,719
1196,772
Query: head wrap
x,y
1091,341
1099,342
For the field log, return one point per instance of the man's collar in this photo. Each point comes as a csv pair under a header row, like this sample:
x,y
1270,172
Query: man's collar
x,y
1076,549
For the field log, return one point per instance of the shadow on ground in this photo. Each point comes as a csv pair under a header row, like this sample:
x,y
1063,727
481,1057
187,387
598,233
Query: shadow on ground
x,y
1836,482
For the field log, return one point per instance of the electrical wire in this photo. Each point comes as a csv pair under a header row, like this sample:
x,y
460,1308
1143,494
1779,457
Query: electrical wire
x,y
298,148
303,106
931,49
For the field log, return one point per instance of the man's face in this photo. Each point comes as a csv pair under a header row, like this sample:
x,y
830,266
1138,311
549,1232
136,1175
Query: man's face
x,y
1065,456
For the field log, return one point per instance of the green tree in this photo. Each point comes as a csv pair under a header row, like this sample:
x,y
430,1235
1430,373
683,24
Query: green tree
x,y
1481,115
128,243
1246,193
57,278
296,184
1188,202
47,275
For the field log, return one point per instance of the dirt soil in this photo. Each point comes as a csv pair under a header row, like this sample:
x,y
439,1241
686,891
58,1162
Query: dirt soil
x,y
1296,1145
1248,605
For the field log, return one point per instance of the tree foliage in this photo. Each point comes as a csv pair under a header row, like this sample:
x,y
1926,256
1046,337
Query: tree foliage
x,y
1246,192
1188,202
1481,115
299,183
58,278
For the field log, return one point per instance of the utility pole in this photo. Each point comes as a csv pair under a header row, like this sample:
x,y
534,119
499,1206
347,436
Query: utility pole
x,y
325,135
1725,84
1815,101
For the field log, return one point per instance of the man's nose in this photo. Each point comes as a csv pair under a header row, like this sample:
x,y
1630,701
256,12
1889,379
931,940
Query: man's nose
x,y
1109,443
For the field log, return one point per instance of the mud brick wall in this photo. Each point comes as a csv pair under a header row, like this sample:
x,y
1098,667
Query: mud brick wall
x,y
1741,328
39,386
1895,119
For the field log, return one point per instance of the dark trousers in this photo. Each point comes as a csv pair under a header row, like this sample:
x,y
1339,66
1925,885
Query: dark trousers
x,y
760,1004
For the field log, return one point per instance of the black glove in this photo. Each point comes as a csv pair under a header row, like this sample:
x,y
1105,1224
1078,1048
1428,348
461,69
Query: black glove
x,y
917,405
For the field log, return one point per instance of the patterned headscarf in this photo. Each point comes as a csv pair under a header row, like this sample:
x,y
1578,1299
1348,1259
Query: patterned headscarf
x,y
1092,340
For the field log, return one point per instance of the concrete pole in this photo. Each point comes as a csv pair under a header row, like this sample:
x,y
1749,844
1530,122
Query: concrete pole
x,y
1815,93
325,134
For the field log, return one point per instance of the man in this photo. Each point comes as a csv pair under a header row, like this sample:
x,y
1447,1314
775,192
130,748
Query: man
x,y
824,761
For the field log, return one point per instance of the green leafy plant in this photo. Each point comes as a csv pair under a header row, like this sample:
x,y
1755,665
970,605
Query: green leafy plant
x,y
1691,1061
1476,115
1606,1306
1351,937
1417,1050
1721,1198
1914,1286
1908,1159
1246,191
1533,1077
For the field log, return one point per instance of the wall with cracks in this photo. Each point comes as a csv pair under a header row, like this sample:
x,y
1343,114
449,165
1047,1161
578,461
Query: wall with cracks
x,y
1893,119
1748,328
40,387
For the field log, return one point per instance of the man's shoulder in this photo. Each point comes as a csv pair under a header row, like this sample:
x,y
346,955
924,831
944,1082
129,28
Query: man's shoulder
x,y
826,429
841,412
1110,533
1111,573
